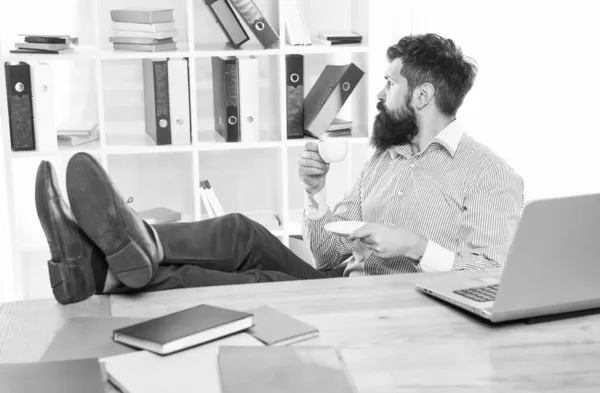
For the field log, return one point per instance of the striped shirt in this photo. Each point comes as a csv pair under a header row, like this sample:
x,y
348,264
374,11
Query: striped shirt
x,y
457,193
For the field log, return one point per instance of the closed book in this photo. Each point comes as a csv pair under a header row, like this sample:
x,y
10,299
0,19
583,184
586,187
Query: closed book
x,y
179,101
140,40
275,328
142,15
17,76
226,97
145,34
193,370
340,42
146,27
228,22
339,35
249,99
88,337
35,45
51,39
83,375
183,329
283,369
156,100
145,47
42,80
256,21
294,70
159,215
328,95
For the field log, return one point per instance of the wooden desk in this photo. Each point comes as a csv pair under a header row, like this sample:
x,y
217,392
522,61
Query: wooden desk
x,y
393,338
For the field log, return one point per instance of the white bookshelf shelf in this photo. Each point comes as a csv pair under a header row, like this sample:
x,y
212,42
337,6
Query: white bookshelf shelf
x,y
258,178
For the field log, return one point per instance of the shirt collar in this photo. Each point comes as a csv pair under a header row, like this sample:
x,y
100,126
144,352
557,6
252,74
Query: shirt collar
x,y
449,138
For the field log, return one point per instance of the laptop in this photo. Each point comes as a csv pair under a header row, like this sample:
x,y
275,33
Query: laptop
x,y
553,266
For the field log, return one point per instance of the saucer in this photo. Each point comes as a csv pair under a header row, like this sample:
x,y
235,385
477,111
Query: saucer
x,y
343,228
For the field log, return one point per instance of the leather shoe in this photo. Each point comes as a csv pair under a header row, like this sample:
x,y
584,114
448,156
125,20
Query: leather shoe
x,y
71,251
104,215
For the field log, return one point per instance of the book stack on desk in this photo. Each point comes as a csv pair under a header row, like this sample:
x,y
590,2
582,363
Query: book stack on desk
x,y
45,44
143,29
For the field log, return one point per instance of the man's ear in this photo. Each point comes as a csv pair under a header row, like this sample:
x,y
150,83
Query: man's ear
x,y
424,95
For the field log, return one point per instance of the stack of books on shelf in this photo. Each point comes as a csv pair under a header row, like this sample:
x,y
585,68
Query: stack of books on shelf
x,y
45,44
143,29
339,37
168,353
76,134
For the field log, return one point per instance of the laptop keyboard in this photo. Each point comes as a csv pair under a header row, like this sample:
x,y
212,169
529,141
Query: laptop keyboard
x,y
480,294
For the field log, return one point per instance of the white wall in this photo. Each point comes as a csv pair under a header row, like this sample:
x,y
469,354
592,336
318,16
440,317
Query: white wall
x,y
536,95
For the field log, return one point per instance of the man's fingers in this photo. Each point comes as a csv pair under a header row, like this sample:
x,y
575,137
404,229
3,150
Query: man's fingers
x,y
311,146
309,171
311,155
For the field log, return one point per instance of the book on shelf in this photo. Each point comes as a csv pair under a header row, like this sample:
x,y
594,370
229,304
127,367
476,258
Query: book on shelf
x,y
275,328
335,35
20,105
328,95
339,42
142,15
49,44
296,28
179,100
144,27
294,72
256,22
81,375
43,86
165,46
132,30
248,98
225,80
159,215
183,329
228,22
77,140
283,369
195,369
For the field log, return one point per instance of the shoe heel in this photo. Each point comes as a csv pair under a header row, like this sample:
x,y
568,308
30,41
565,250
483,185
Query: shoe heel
x,y
131,265
69,283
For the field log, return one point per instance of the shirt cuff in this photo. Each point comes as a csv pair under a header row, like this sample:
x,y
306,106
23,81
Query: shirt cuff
x,y
436,258
315,205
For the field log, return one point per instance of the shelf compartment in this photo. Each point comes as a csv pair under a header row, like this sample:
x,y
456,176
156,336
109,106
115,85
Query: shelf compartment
x,y
269,94
245,181
167,181
106,29
208,36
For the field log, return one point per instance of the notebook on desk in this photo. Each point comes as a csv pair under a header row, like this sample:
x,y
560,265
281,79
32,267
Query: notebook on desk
x,y
552,267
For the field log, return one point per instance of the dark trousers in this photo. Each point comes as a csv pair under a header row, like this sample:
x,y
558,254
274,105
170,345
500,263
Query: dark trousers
x,y
226,250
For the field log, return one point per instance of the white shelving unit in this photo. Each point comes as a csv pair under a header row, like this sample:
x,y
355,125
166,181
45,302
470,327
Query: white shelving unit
x,y
97,82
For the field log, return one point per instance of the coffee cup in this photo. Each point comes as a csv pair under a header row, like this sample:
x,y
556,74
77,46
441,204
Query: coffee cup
x,y
332,149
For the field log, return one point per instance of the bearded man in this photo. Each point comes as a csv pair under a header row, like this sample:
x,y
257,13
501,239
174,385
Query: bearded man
x,y
431,197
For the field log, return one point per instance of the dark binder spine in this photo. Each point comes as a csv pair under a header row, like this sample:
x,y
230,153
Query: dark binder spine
x,y
161,95
255,20
232,99
221,11
294,65
20,106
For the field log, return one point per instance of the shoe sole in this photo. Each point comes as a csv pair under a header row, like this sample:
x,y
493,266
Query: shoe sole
x,y
128,261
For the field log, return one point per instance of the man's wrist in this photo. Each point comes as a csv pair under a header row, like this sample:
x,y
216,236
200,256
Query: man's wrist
x,y
418,248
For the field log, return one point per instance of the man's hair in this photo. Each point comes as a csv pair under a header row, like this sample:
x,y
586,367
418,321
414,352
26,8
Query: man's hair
x,y
430,58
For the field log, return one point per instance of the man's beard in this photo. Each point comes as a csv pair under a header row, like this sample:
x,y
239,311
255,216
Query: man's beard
x,y
393,130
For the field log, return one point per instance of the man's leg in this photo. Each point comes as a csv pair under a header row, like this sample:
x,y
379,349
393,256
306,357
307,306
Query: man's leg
x,y
232,244
131,247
